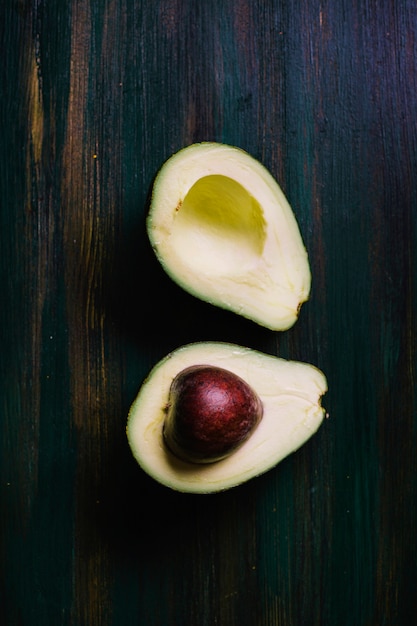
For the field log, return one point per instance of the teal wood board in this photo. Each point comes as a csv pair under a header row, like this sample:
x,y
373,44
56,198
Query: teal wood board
x,y
95,96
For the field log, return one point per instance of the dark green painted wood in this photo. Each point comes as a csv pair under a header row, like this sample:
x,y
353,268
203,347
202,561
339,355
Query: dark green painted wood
x,y
95,96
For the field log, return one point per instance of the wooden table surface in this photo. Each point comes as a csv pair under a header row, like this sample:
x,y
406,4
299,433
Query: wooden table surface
x,y
95,96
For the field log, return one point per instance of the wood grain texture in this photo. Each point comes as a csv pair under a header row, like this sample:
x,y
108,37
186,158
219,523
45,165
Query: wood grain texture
x,y
95,96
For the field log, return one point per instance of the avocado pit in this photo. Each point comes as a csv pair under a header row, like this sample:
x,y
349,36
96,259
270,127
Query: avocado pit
x,y
210,413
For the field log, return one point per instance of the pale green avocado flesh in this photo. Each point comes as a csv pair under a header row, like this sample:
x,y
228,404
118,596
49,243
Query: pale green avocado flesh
x,y
223,230
219,214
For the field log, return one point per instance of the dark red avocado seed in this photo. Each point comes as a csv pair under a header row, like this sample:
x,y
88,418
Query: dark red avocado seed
x,y
210,413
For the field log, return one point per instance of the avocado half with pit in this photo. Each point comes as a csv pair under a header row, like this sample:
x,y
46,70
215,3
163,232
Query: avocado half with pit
x,y
290,412
223,230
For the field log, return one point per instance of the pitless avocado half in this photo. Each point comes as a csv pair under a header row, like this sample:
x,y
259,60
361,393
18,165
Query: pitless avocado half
x,y
222,229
